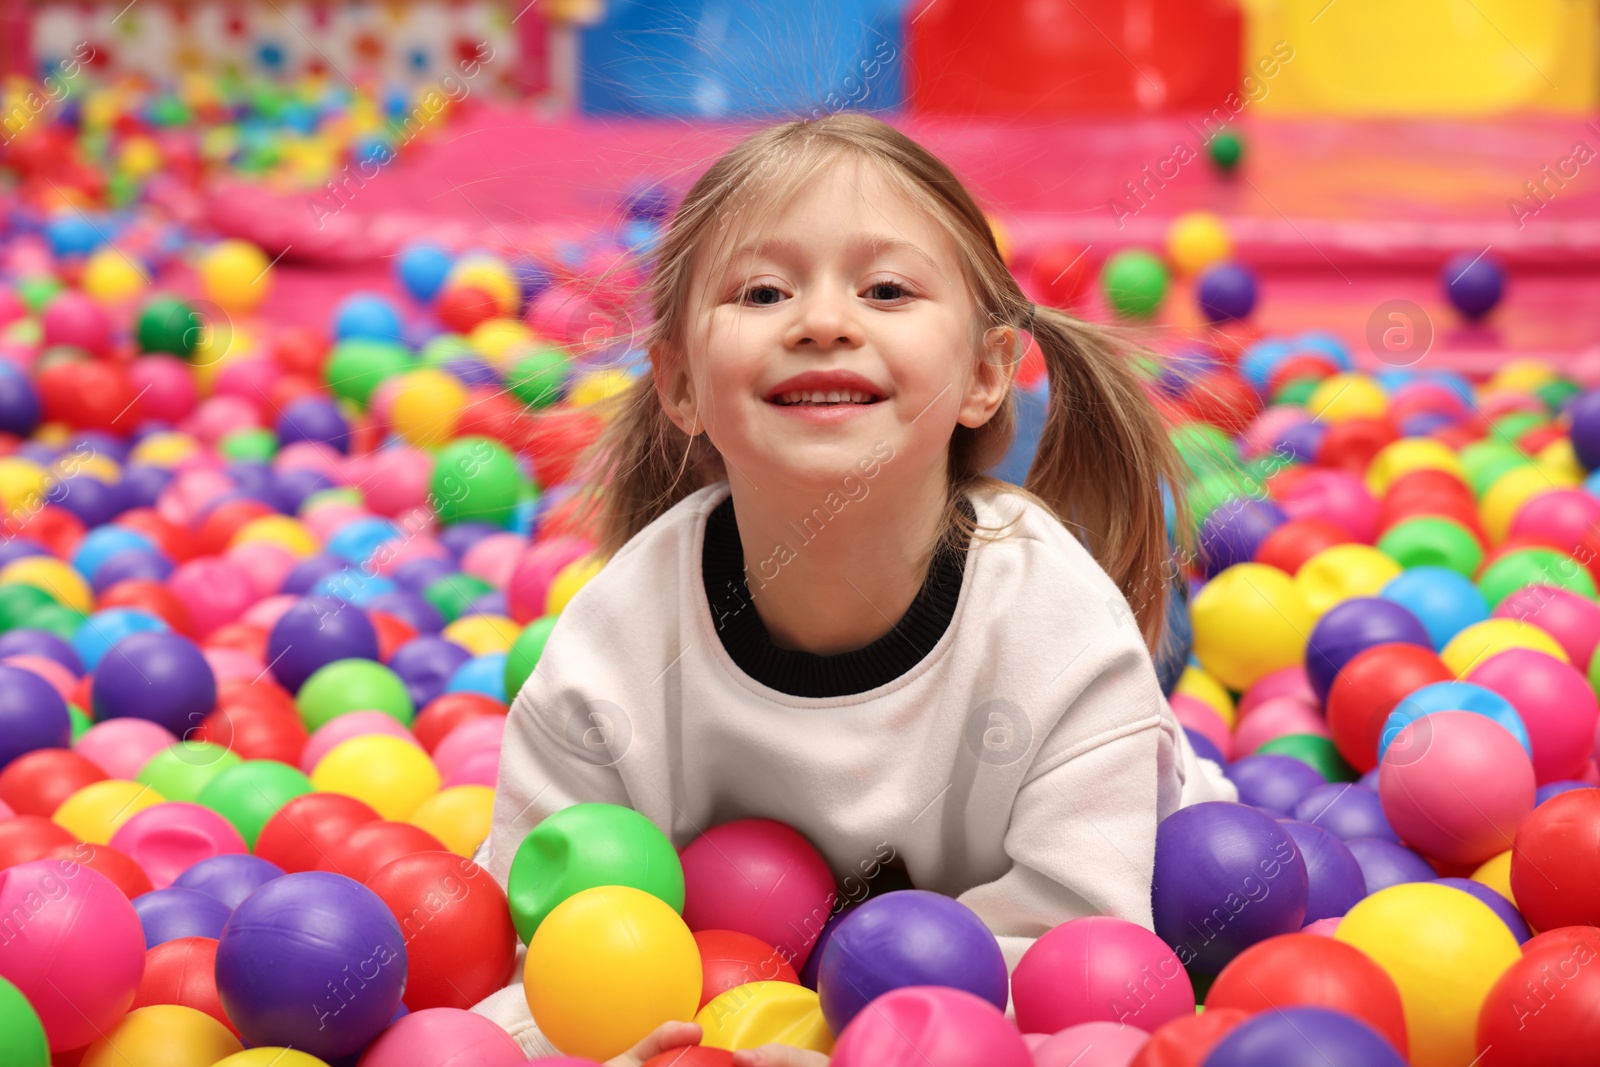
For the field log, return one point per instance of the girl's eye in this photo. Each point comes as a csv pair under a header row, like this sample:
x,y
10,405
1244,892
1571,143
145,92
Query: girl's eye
x,y
887,290
763,295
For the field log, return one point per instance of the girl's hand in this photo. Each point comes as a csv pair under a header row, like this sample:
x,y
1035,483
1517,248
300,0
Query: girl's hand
x,y
779,1056
666,1036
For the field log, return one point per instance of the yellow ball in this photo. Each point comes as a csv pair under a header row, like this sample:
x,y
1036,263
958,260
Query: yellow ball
x,y
1337,574
496,338
1410,454
427,408
1496,874
765,1013
162,1035
235,275
392,775
1510,491
1341,397
598,385
1196,240
1520,376
54,576
1558,460
1444,949
22,483
1249,621
458,816
483,635
99,809
94,465
288,534
606,967
1490,637
111,276
271,1057
221,342
1196,683
490,275
140,157
167,449
569,580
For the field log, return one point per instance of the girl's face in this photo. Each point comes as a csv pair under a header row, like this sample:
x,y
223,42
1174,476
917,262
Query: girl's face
x,y
848,279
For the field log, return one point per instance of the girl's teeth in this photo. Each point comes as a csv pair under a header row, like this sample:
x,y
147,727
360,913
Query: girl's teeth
x,y
832,397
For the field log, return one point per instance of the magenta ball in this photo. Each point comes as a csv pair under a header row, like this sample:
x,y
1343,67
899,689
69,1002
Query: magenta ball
x,y
1102,1044
536,570
1202,718
930,1026
74,319
1571,618
1099,969
494,558
1337,497
1274,719
480,768
1290,683
393,480
168,839
1561,517
443,1037
482,734
166,387
77,951
215,589
121,747
1457,788
1556,705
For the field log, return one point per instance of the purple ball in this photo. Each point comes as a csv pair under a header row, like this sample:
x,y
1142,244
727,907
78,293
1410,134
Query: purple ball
x,y
1205,748
15,548
1473,282
416,575
317,419
1585,412
1226,877
309,571
229,878
1234,531
131,563
463,535
90,499
312,961
1350,628
171,913
1303,1037
1346,811
1385,863
25,642
425,665
1227,291
1301,440
1335,876
1544,792
1273,782
410,608
32,714
315,632
491,603
808,973
143,484
295,485
1504,910
158,676
909,938
100,443
19,402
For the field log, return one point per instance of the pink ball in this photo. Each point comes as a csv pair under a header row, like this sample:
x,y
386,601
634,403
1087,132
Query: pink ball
x,y
930,1026
1290,682
1556,705
1202,718
12,307
478,768
350,724
312,455
166,388
266,613
5,811
443,1037
168,839
1101,1044
249,379
1572,619
1336,497
267,564
218,416
121,747
61,680
215,589
1418,398
482,734
1275,719
380,405
1561,517
494,558
1262,434
1081,971
761,878
1455,785
325,519
231,664
529,585
395,480
72,318
189,491
1323,927
73,946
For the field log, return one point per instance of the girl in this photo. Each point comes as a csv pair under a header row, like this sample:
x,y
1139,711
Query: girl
x,y
818,609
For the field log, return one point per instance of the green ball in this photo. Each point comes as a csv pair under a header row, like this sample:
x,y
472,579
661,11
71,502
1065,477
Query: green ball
x,y
359,365
1594,670
583,847
1226,150
258,443
1486,460
451,594
475,480
445,347
38,290
169,325
1316,752
251,793
1134,282
340,494
1296,391
18,603
182,771
1556,393
1429,541
1509,428
1204,447
1533,566
524,654
1213,490
536,379
22,1040
80,722
352,685
57,619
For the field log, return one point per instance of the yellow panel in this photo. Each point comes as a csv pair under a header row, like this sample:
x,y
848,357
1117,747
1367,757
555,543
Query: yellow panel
x,y
1426,57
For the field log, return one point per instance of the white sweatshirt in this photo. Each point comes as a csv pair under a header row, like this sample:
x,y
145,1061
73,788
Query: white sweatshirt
x,y
1021,766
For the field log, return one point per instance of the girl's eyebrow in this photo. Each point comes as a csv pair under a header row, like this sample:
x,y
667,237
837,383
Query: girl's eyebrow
x,y
780,247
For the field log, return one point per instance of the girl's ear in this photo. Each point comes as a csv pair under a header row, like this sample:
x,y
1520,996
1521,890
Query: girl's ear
x,y
675,387
992,375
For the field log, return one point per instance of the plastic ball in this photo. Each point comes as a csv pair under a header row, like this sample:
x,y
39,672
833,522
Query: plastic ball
x,y
373,846
22,1038
443,1037
37,783
729,959
168,839
162,1034
306,829
352,685
1451,696
1473,282
1342,573
270,1057
32,715
318,930
1304,1037
1196,240
1187,1042
1249,621
476,479
110,277
422,268
97,811
1572,620
1335,876
159,677
251,793
1553,852
1503,909
367,316
1492,636
169,914
234,275
19,403
1134,282
1351,627
228,878
931,1026
391,775
24,838
1079,971
358,365
349,725
1554,703
427,408
1226,291
607,967
1385,863
1272,782
1442,600
1557,1024
763,1013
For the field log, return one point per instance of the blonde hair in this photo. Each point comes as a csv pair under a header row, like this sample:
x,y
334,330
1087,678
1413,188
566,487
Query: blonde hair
x,y
1104,453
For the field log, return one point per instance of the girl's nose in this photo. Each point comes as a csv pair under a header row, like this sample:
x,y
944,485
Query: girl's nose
x,y
827,319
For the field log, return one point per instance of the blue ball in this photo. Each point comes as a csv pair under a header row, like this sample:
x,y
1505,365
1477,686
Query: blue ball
x,y
422,269
367,315
103,542
483,674
71,234
1453,696
1442,600
94,638
353,585
1227,291
1474,283
358,541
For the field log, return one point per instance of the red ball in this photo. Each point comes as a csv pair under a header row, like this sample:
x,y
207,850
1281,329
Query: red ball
x,y
1565,936
25,838
761,878
392,633
1099,969
1061,274
215,531
491,413
301,350
183,972
307,829
255,731
555,438
460,943
1187,1042
1367,690
263,691
1350,445
173,540
1537,438
567,518
1225,400
57,529
147,594
691,1056
242,637
1554,860
461,307
1304,970
89,396
1545,1008
116,865
1290,545
1300,366
729,959
369,848
444,713
36,782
